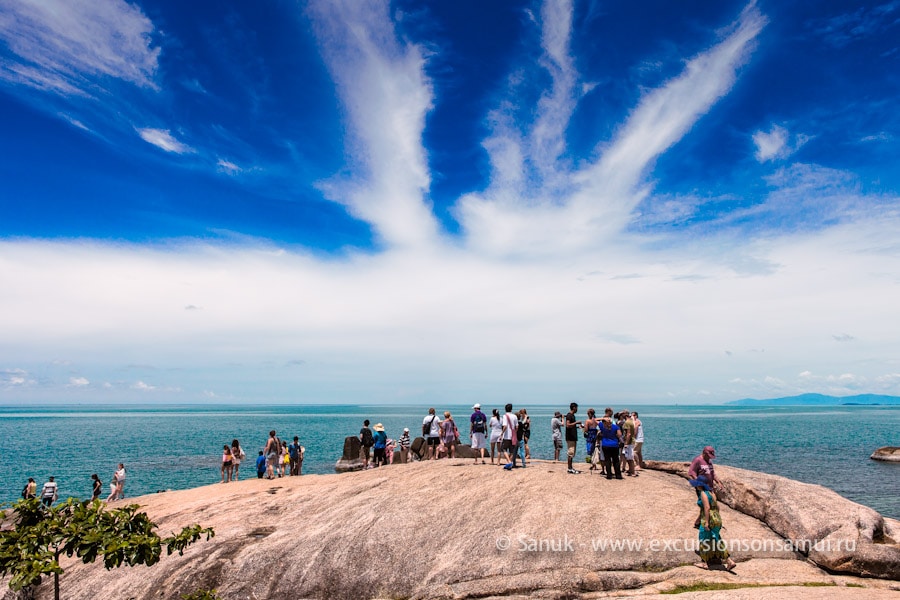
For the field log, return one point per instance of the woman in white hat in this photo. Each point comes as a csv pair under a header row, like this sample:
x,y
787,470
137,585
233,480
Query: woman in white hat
x,y
379,456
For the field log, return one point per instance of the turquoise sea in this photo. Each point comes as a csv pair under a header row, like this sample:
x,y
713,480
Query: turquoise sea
x,y
176,447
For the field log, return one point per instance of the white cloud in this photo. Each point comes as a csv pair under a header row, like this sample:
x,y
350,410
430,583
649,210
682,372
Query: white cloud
x,y
606,191
163,139
69,46
10,378
776,144
387,95
228,167
78,382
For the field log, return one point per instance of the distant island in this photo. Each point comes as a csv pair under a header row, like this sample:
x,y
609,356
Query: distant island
x,y
821,400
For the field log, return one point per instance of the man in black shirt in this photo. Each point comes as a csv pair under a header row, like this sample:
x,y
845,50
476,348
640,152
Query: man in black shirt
x,y
572,435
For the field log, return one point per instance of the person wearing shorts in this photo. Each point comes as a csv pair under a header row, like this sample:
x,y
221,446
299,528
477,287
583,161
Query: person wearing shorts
x,y
478,424
507,448
432,425
556,424
572,436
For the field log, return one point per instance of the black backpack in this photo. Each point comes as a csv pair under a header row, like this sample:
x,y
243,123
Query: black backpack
x,y
367,440
426,427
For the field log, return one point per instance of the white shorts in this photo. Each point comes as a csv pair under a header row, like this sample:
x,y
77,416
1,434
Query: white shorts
x,y
629,452
478,441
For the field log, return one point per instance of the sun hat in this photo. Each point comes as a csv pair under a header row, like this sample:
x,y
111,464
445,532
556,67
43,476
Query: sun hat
x,y
710,450
406,429
378,427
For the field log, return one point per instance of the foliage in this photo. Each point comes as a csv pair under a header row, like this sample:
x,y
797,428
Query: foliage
x,y
31,548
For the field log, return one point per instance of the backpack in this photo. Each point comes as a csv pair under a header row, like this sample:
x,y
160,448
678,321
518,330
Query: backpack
x,y
478,423
367,439
426,427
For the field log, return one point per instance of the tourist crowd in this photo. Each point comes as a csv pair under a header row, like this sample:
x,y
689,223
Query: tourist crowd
x,y
610,441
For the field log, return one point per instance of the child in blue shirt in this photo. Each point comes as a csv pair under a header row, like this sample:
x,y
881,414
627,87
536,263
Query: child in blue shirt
x,y
260,465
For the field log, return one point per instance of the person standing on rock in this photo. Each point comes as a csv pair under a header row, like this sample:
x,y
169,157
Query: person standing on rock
x,y
610,437
261,465
510,443
120,482
628,437
496,435
556,424
521,434
367,440
712,548
227,464
379,445
526,432
449,434
404,443
572,436
237,456
50,492
477,430
431,431
30,490
702,469
295,450
96,487
638,441
272,452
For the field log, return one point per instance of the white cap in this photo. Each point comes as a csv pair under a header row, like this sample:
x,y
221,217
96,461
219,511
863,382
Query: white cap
x,y
477,407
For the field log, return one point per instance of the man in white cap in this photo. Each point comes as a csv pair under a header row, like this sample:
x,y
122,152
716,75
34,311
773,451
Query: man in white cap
x,y
477,429
403,443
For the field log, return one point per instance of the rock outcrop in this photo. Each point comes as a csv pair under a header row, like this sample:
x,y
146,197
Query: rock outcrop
x,y
887,454
451,529
835,533
351,459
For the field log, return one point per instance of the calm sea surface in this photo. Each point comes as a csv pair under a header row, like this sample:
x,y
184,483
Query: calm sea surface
x,y
176,447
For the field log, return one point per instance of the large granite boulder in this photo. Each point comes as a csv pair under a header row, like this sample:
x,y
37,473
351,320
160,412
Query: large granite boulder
x,y
351,459
887,454
835,533
447,529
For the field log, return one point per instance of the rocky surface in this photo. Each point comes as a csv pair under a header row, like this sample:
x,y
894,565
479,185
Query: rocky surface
x,y
453,529
887,454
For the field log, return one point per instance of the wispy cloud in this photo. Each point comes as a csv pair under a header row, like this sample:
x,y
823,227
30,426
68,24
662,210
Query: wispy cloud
x,y
163,139
862,22
387,95
69,46
228,167
606,191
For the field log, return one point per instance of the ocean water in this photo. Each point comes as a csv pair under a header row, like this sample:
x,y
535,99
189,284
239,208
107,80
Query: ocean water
x,y
177,447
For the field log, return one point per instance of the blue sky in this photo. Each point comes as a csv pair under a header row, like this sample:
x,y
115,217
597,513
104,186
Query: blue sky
x,y
344,201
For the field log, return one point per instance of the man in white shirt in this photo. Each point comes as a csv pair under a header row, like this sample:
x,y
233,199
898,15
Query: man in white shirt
x,y
508,447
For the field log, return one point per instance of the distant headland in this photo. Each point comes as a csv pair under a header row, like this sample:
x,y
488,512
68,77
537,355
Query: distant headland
x,y
821,400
